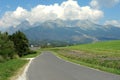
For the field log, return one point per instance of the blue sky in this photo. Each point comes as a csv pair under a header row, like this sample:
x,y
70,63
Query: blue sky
x,y
108,11
8,5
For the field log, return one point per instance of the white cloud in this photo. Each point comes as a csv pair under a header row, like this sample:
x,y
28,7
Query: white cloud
x,y
103,3
13,18
113,22
66,10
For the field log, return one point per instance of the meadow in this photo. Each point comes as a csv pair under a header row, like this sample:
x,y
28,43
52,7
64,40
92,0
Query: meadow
x,y
101,55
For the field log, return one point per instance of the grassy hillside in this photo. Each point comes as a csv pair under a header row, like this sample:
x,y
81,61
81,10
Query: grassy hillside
x,y
102,55
109,48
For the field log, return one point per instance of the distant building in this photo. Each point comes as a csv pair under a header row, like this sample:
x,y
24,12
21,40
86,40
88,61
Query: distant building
x,y
48,44
32,46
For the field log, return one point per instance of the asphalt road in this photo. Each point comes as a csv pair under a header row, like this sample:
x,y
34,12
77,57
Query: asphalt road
x,y
48,67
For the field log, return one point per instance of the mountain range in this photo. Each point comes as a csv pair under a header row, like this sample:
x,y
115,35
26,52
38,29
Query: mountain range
x,y
70,31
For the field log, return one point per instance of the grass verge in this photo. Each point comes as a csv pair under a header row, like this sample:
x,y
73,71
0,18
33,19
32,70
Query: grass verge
x,y
31,55
10,68
78,61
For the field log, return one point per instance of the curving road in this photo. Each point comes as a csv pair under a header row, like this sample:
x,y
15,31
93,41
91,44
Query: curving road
x,y
48,67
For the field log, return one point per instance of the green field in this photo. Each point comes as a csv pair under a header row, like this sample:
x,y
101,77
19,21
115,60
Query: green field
x,y
101,55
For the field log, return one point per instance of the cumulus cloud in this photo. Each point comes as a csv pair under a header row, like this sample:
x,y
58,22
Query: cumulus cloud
x,y
68,10
113,22
13,18
103,3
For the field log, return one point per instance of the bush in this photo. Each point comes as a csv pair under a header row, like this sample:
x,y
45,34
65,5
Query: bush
x,y
31,52
1,59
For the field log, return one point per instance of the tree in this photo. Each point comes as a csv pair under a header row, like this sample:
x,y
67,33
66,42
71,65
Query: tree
x,y
7,50
21,43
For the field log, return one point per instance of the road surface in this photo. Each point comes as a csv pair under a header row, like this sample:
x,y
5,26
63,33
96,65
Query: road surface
x,y
48,67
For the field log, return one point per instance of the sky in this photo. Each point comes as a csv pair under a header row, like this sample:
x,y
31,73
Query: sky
x,y
13,12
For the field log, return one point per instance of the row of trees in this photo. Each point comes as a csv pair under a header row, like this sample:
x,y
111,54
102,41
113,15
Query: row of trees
x,y
12,46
